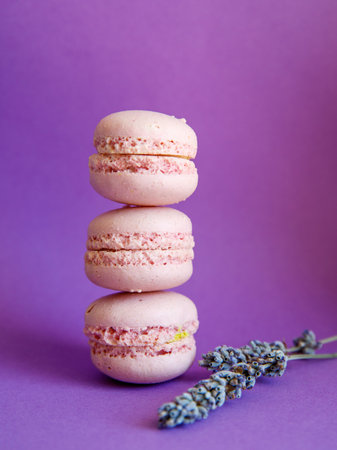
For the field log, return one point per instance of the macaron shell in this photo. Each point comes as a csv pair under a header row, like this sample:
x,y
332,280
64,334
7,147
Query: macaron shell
x,y
144,189
144,369
146,124
139,310
139,278
140,220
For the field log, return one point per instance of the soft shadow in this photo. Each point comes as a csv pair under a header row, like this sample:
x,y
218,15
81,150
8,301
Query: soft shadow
x,y
43,355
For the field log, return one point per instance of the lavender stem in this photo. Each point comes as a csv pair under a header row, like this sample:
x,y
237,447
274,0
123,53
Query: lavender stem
x,y
313,356
329,339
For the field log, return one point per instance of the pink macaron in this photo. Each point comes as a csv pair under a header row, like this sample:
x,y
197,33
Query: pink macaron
x,y
139,249
142,338
144,158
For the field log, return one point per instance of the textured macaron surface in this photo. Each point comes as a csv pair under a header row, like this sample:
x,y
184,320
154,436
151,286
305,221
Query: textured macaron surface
x,y
132,351
140,241
139,257
144,228
145,164
145,132
141,220
140,237
144,364
137,311
139,336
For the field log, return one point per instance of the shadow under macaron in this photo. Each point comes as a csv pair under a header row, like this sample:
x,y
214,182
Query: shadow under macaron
x,y
36,353
39,353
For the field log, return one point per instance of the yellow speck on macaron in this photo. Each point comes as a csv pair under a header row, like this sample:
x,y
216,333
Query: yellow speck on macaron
x,y
179,336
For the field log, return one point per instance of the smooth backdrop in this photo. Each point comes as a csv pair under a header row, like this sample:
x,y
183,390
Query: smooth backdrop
x,y
257,82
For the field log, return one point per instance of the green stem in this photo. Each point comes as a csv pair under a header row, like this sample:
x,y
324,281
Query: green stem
x,y
313,356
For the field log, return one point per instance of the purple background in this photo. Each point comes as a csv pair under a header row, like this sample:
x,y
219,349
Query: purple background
x,y
257,81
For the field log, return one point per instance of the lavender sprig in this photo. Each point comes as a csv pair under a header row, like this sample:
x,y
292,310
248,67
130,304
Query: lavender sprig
x,y
223,385
237,370
223,357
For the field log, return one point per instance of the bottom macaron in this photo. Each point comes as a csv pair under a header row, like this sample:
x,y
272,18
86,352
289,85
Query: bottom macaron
x,y
142,338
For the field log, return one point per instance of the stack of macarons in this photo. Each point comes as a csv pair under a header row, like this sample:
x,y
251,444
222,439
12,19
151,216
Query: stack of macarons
x,y
144,334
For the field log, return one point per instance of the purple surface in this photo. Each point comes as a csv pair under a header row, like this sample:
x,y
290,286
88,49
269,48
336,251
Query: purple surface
x,y
257,81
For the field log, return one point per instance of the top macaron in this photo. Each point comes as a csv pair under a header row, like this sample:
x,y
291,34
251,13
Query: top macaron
x,y
144,158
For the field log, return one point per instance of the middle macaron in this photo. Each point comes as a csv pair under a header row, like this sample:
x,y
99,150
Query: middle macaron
x,y
139,249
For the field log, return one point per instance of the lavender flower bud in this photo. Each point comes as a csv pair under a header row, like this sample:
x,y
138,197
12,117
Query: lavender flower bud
x,y
259,348
235,382
182,410
209,393
307,343
273,363
250,373
222,358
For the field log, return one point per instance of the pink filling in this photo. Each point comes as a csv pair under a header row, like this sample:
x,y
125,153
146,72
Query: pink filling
x,y
140,241
102,163
138,257
184,345
143,146
139,337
